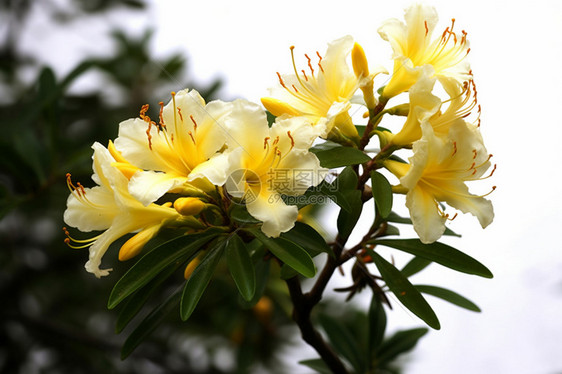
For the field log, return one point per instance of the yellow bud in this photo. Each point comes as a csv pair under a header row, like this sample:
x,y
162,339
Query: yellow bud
x,y
278,107
399,169
192,265
134,245
263,309
359,62
189,206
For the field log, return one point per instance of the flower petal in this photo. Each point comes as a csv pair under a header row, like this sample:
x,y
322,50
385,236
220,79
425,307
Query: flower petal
x,y
277,217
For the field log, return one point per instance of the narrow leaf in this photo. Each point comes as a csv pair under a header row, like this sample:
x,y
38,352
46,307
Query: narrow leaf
x,y
407,294
347,183
343,341
172,252
448,295
288,252
399,343
241,267
414,266
145,328
317,364
308,238
340,156
198,281
382,193
135,303
439,253
377,324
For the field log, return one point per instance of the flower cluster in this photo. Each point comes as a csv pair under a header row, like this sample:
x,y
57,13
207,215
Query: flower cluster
x,y
187,169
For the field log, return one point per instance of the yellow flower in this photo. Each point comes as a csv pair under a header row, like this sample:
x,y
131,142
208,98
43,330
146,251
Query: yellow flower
x,y
437,173
323,94
109,206
414,47
424,106
174,151
267,162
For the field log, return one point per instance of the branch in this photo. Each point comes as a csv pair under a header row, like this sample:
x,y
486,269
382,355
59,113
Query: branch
x,y
301,315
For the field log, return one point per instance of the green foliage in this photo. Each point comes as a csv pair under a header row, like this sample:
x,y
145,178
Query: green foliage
x,y
241,267
290,253
440,253
171,253
347,184
382,193
448,295
198,281
404,291
333,155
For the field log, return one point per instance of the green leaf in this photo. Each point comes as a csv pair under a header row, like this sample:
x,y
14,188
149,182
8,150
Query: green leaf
x,y
439,253
343,341
174,251
347,183
308,238
393,217
262,275
407,294
241,267
340,156
145,328
401,342
317,364
199,279
414,266
390,231
377,324
448,295
382,193
134,303
240,214
288,252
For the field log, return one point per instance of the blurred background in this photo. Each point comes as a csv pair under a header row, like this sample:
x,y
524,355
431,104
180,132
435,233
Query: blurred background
x,y
71,70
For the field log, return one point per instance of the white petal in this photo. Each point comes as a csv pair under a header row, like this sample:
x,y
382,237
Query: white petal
x,y
119,228
277,217
215,169
88,217
149,186
428,223
247,127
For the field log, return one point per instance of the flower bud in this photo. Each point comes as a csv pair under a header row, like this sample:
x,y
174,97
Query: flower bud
x,y
359,61
278,107
134,245
189,206
192,265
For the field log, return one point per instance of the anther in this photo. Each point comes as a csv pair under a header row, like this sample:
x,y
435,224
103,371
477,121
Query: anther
x,y
191,136
309,64
179,113
297,91
426,28
194,123
320,61
304,74
281,81
161,124
454,148
291,137
265,144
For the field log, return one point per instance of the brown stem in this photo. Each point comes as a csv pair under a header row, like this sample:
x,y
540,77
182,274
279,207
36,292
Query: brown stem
x,y
373,114
301,315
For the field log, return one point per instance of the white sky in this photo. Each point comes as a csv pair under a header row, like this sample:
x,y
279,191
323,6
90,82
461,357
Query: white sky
x,y
516,56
